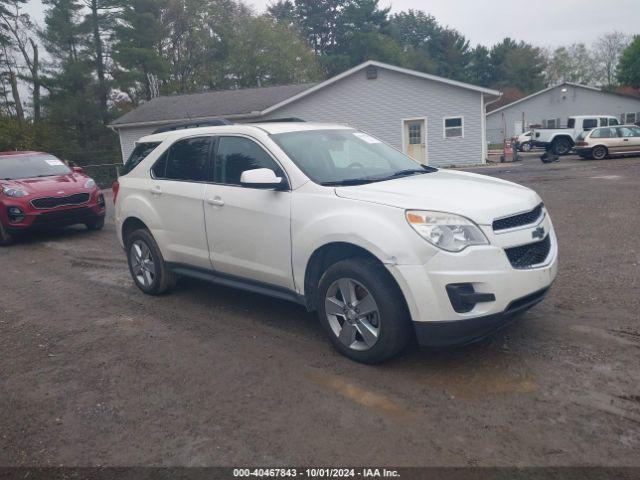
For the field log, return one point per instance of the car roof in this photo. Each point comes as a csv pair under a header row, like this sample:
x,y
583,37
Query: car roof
x,y
268,127
599,115
23,152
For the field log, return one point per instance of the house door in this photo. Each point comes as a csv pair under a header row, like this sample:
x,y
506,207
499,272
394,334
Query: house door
x,y
415,139
518,128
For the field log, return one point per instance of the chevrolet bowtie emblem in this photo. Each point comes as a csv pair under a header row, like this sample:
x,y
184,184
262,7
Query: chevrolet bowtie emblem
x,y
538,233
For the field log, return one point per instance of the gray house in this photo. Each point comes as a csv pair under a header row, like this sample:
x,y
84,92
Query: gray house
x,y
550,108
433,119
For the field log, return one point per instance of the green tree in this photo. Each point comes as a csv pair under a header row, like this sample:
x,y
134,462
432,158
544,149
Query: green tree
x,y
99,24
432,48
137,47
263,52
73,106
517,64
571,64
629,66
479,68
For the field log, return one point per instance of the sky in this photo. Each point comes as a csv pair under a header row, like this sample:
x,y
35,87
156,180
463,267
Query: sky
x,y
545,23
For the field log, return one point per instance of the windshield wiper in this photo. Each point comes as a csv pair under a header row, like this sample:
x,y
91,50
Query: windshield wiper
x,y
409,172
348,182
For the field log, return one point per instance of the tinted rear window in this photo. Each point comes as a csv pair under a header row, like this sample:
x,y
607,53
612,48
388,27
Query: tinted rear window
x,y
139,153
15,167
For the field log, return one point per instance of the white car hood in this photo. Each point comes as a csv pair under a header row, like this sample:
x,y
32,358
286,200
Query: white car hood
x,y
477,197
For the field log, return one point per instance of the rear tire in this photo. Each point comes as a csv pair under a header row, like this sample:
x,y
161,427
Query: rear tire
x,y
599,152
561,146
370,322
6,238
146,264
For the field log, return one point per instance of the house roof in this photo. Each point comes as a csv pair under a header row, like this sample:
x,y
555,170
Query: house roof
x,y
571,84
222,103
252,102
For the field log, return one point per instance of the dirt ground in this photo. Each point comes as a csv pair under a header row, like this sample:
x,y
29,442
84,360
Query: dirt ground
x,y
95,373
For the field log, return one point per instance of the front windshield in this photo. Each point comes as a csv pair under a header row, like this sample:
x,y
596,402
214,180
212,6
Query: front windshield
x,y
345,156
16,167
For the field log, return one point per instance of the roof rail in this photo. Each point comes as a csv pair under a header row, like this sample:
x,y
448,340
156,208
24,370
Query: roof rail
x,y
281,120
193,124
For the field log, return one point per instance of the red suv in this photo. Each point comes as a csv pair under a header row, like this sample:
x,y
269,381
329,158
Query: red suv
x,y
38,190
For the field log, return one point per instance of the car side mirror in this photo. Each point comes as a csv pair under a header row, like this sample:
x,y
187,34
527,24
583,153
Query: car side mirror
x,y
262,178
78,170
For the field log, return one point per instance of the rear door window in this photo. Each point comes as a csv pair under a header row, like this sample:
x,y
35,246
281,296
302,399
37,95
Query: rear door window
x,y
186,160
605,133
140,152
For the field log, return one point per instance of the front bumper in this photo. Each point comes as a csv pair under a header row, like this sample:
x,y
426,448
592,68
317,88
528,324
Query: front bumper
x,y
34,219
488,270
464,332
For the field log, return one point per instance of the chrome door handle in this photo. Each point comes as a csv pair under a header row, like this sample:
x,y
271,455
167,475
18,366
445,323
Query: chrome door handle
x,y
215,202
156,190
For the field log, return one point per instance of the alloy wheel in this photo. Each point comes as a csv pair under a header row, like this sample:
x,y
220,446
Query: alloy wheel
x,y
353,314
599,153
142,264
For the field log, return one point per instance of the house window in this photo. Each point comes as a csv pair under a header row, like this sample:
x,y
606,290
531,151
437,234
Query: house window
x,y
415,133
630,118
551,123
453,127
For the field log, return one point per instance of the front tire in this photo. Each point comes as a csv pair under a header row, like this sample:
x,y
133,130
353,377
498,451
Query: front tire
x,y
599,152
146,264
95,225
561,146
6,238
363,311
525,147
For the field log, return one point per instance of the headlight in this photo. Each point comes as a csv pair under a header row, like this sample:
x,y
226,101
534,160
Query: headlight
x,y
90,184
445,230
13,192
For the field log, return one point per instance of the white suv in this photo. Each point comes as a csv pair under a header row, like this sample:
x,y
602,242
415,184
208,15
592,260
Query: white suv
x,y
384,248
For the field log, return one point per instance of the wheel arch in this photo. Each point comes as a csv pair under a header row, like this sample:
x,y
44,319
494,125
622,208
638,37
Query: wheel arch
x,y
327,255
130,225
563,136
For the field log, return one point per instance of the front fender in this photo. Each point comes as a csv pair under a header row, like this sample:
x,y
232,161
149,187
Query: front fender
x,y
381,230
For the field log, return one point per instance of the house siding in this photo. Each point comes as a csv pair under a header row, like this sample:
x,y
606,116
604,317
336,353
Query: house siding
x,y
558,104
379,106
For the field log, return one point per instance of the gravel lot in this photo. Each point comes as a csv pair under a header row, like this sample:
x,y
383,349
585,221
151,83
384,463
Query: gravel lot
x,y
95,373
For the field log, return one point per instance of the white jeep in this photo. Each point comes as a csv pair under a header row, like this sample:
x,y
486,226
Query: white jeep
x,y
560,141
384,248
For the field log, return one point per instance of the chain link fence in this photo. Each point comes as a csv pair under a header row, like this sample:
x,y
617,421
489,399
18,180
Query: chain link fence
x,y
104,174
101,165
